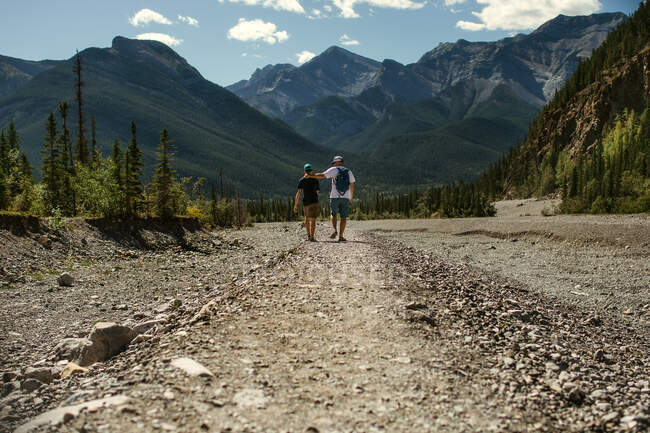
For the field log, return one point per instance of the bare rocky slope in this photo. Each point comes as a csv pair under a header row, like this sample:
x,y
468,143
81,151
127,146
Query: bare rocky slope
x,y
257,330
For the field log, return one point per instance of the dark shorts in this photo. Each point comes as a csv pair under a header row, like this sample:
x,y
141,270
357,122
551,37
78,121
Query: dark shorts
x,y
311,210
340,206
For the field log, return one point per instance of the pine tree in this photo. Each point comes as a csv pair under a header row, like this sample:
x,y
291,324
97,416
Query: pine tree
x,y
132,172
117,175
95,152
68,201
163,178
4,152
12,136
51,167
81,149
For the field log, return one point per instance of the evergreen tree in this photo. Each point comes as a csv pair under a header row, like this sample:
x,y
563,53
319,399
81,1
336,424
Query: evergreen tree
x,y
68,203
96,158
4,152
81,148
12,136
163,178
51,166
213,204
133,193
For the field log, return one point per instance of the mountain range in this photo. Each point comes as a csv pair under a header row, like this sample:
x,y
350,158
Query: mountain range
x,y
441,119
453,111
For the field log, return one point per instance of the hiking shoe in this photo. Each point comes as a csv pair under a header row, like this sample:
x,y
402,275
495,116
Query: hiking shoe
x,y
342,239
333,235
313,240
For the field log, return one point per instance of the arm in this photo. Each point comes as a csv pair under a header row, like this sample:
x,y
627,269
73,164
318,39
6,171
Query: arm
x,y
317,176
295,204
351,192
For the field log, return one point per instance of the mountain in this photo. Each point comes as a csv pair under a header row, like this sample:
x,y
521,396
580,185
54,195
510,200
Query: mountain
x,y
590,145
14,73
367,106
149,83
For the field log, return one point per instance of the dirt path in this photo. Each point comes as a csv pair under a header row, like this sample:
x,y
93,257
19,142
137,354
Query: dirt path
x,y
391,340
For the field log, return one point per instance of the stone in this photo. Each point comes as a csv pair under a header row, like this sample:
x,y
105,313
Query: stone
x,y
141,339
42,374
59,415
9,376
204,313
8,388
110,339
250,398
65,280
80,350
598,394
576,396
29,385
72,369
507,361
144,327
45,241
599,356
191,367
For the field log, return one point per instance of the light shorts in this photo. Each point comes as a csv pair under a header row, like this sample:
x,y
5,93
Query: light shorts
x,y
311,210
340,206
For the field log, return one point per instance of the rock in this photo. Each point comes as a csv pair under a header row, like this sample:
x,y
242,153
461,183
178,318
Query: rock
x,y
45,241
576,396
250,398
415,306
144,327
8,388
507,361
110,339
80,350
141,339
30,385
191,367
65,280
42,374
598,394
612,416
599,356
8,376
59,415
204,313
72,369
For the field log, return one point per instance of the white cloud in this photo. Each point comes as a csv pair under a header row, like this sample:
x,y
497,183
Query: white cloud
x,y
278,5
160,37
257,30
524,14
347,40
189,20
347,6
305,56
146,16
453,2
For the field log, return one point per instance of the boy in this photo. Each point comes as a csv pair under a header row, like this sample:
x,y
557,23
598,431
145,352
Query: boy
x,y
311,206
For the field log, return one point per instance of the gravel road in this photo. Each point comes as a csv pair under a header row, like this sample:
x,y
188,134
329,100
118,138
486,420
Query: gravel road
x,y
411,331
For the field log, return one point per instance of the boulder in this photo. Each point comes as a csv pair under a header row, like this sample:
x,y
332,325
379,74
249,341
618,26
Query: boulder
x,y
42,374
80,350
65,279
29,385
110,338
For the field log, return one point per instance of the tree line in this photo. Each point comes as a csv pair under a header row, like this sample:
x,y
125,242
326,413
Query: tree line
x,y
78,180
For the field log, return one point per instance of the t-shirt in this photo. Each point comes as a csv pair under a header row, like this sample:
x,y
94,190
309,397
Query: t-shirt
x,y
309,186
331,173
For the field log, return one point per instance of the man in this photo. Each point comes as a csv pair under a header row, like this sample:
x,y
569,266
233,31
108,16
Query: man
x,y
310,189
341,193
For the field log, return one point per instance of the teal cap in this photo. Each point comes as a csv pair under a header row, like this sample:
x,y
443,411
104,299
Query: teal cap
x,y
308,167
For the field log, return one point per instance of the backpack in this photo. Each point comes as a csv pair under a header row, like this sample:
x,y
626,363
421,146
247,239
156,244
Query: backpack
x,y
342,181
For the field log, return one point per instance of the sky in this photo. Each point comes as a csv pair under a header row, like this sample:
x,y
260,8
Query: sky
x,y
226,40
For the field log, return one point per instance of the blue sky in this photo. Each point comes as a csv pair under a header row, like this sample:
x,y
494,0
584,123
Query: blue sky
x,y
226,40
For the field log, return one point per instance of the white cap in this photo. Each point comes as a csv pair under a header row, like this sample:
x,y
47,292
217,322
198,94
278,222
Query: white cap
x,y
337,158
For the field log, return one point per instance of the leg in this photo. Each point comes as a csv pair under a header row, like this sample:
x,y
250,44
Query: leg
x,y
307,226
313,226
343,223
333,219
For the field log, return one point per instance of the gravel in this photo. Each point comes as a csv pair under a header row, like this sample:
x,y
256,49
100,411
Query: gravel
x,y
258,330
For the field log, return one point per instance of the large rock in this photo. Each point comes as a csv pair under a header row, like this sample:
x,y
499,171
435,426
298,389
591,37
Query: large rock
x,y
110,338
80,350
29,385
42,374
